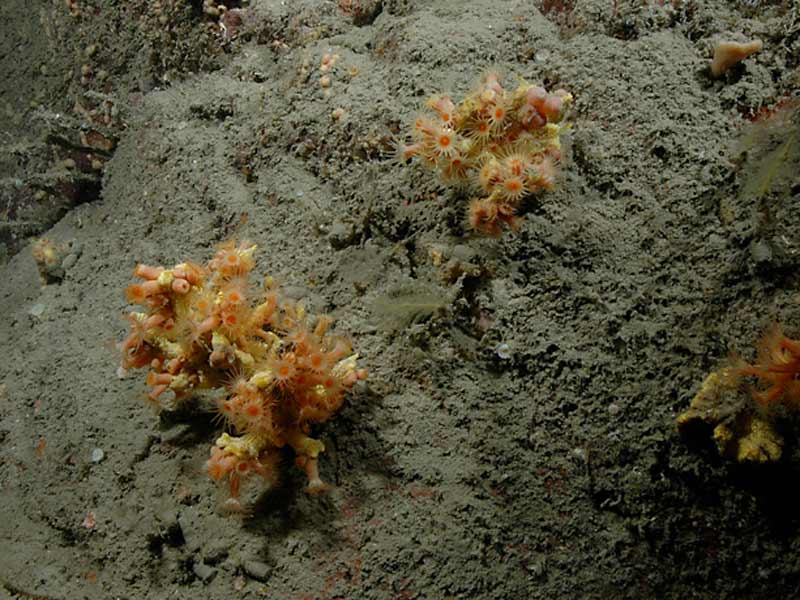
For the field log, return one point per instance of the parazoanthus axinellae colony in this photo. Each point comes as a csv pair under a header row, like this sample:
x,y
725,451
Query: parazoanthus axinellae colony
x,y
280,370
504,144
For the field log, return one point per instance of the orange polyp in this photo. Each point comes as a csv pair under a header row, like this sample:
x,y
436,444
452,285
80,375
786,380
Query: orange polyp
x,y
514,186
536,97
156,392
322,326
552,108
516,165
299,338
207,325
790,345
547,174
173,366
443,106
215,470
147,272
135,293
138,292
154,379
231,261
283,370
234,325
513,190
487,176
477,216
424,126
316,361
443,143
190,272
181,286
777,369
483,217
407,152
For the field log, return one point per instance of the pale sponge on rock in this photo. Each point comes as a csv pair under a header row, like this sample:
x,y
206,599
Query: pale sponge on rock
x,y
727,54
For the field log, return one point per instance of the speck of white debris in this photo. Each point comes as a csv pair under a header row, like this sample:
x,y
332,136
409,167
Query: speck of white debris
x,y
121,373
97,455
503,351
37,310
613,409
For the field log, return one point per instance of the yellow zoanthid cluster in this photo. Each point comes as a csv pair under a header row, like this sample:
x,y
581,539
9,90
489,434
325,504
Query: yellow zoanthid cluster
x,y
280,370
504,144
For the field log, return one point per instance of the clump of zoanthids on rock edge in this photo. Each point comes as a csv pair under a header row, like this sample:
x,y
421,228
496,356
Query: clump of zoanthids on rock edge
x,y
280,370
505,145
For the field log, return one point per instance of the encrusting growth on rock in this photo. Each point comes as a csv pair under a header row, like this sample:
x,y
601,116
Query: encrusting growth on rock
x,y
745,430
279,369
727,54
506,145
49,257
53,259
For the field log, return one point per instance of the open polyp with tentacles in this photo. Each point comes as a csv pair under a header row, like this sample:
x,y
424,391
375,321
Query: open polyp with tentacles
x,y
776,371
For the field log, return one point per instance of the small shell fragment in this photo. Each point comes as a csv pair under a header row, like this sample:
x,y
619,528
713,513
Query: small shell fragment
x,y
503,351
